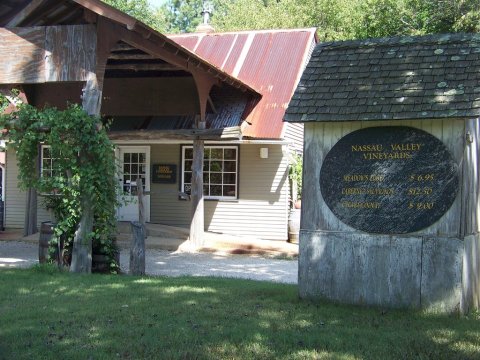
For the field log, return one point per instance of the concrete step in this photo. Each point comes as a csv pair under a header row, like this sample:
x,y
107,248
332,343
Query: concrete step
x,y
154,242
156,230
163,237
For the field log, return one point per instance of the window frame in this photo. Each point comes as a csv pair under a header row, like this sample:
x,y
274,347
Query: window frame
x,y
209,172
42,158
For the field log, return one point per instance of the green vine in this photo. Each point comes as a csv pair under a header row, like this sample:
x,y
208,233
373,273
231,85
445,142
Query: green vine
x,y
83,163
295,172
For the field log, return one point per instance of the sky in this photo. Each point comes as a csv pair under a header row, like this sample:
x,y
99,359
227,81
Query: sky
x,y
156,3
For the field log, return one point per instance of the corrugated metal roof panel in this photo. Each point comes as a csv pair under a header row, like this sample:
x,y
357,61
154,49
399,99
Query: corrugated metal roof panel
x,y
231,61
269,61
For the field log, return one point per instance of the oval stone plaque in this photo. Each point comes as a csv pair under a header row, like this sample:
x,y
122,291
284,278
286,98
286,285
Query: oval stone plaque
x,y
389,180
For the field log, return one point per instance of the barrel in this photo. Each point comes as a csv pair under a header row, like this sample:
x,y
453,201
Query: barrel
x,y
46,233
294,225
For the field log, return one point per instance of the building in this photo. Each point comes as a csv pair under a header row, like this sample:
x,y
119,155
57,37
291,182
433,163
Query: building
x,y
168,97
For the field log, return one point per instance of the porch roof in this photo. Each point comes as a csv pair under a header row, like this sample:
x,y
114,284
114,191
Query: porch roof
x,y
270,61
32,13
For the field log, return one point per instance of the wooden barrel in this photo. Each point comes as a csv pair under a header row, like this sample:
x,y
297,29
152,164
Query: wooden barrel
x,y
294,225
46,233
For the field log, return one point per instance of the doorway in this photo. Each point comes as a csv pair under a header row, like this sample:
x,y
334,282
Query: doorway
x,y
134,163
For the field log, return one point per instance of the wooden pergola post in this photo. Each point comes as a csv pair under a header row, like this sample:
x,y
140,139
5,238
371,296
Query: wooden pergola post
x,y
197,225
91,103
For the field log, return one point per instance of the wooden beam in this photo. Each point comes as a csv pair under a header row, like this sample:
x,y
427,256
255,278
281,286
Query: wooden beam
x,y
155,48
143,67
23,55
71,52
24,13
128,56
107,38
173,53
230,133
108,11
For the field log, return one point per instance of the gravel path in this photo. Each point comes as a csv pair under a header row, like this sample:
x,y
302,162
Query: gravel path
x,y
159,262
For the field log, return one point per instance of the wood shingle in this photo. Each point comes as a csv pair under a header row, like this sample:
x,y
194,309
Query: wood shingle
x,y
426,77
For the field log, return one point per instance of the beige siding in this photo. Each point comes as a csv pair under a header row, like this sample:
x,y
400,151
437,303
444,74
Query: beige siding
x,y
294,135
165,206
15,199
260,211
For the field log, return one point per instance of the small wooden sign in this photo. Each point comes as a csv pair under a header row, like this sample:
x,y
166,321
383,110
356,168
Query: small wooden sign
x,y
164,173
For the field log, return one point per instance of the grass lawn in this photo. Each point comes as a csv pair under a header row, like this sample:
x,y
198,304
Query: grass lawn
x,y
50,315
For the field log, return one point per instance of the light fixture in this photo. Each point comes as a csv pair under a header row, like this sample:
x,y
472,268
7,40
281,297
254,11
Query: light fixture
x,y
264,153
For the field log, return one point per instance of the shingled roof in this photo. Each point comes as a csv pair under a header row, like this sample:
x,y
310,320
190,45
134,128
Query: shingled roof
x,y
428,77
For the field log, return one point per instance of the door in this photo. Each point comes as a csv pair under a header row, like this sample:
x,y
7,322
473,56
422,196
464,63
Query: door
x,y
134,162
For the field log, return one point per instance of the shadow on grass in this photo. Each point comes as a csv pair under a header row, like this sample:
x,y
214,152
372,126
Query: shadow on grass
x,y
45,314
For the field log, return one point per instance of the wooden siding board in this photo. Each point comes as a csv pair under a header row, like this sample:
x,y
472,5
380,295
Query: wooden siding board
x,y
15,198
294,133
22,51
470,193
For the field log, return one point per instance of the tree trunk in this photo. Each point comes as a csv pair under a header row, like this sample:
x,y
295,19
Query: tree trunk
x,y
137,249
82,242
30,225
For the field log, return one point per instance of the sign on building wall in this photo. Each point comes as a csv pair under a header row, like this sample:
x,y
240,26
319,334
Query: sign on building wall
x,y
164,173
389,180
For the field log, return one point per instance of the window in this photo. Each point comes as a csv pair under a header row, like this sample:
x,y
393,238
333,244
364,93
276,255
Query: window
x,y
134,163
220,171
46,169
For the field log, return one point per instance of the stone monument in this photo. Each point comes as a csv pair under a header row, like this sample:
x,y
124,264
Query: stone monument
x,y
390,212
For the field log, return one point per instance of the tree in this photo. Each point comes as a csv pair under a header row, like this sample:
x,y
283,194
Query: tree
x,y
185,15
141,10
82,179
339,19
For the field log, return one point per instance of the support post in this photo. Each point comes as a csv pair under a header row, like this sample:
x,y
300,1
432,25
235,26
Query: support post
x,y
141,205
30,224
197,223
204,84
91,103
82,242
137,249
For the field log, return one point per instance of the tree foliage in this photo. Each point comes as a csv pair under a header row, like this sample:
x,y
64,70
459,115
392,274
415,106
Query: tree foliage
x,y
141,10
335,19
83,165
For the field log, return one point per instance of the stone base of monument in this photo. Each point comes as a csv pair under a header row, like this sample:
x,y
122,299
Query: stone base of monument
x,y
403,272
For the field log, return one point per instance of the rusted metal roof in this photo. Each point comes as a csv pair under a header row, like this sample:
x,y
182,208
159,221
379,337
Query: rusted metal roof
x,y
270,61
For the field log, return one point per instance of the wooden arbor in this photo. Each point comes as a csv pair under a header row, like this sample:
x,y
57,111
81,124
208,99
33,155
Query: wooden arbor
x,y
66,51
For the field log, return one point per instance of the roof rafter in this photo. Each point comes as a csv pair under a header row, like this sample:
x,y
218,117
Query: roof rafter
x,y
24,13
